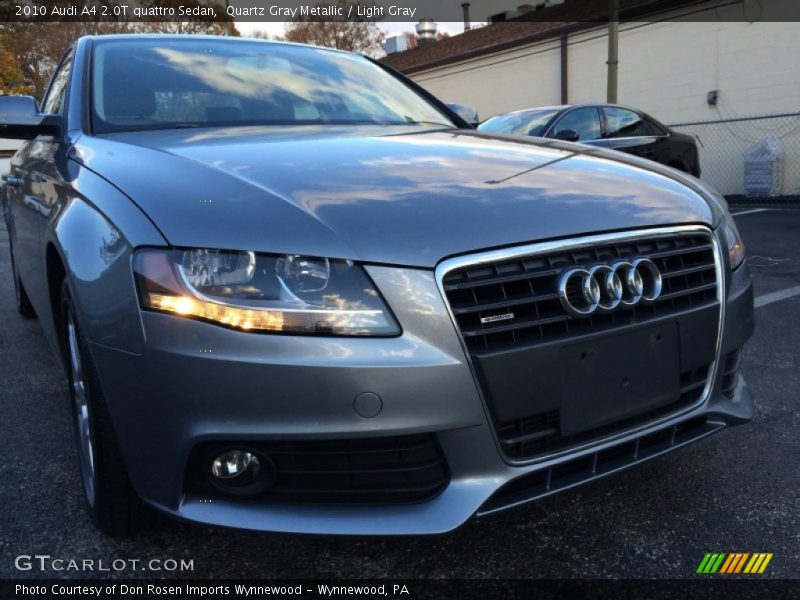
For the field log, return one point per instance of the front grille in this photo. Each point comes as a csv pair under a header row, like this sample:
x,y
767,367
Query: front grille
x,y
527,287
532,437
388,470
580,470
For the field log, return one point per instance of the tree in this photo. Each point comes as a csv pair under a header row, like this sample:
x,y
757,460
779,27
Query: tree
x,y
11,77
218,23
412,39
356,34
260,34
37,47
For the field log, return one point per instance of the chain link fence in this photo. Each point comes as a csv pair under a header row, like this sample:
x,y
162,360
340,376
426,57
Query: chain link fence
x,y
750,157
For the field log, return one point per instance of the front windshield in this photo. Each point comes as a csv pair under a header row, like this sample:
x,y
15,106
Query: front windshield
x,y
163,84
530,122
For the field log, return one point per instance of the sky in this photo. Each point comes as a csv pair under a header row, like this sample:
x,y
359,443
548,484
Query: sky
x,y
389,28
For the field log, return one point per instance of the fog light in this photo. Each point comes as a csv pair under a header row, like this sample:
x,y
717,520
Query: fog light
x,y
235,463
240,471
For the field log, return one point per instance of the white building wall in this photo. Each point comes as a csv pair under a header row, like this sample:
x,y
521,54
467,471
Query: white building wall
x,y
668,68
6,148
527,76
665,69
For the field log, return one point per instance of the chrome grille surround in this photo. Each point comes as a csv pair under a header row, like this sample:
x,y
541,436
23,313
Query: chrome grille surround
x,y
573,244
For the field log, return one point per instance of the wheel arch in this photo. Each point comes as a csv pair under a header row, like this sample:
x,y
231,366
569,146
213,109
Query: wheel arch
x,y
56,273
89,241
680,164
93,255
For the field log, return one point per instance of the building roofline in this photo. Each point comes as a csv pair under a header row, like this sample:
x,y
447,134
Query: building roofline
x,y
539,36
564,22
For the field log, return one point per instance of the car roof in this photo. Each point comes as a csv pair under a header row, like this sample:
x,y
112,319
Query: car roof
x,y
562,107
182,36
534,108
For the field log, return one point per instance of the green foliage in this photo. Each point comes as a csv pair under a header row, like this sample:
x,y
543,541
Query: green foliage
x,y
353,35
30,51
11,78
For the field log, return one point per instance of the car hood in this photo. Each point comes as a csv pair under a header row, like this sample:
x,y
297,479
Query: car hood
x,y
406,195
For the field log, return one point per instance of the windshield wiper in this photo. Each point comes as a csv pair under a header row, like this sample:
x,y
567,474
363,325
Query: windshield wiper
x,y
410,121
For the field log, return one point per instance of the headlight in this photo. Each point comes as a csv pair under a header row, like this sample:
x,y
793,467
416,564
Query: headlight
x,y
257,292
734,241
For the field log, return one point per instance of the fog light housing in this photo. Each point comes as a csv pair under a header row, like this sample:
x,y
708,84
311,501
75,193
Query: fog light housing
x,y
240,471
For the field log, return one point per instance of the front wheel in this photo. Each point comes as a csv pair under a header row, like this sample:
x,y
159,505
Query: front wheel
x,y
113,505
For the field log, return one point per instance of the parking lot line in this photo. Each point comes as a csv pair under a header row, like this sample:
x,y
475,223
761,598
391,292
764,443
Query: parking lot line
x,y
750,212
775,296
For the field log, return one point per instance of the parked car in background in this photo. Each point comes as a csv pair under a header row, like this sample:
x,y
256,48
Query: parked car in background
x,y
606,125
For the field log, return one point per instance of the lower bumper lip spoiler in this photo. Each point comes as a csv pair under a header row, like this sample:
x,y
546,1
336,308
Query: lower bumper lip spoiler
x,y
571,473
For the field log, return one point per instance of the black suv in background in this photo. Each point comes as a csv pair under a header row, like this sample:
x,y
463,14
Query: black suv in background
x,y
606,125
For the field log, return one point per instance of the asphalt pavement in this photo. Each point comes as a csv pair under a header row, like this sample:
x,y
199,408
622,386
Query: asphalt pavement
x,y
735,491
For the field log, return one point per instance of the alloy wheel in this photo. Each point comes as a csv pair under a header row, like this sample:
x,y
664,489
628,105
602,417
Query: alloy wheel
x,y
82,417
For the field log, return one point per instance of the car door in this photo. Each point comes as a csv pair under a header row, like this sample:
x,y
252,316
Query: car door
x,y
584,121
36,184
629,131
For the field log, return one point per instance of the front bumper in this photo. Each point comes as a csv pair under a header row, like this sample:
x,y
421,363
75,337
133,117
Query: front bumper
x,y
196,382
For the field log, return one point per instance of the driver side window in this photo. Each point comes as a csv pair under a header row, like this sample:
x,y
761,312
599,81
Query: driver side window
x,y
54,99
622,122
583,121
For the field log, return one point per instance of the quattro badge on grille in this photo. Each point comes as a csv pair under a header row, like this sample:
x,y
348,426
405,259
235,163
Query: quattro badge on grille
x,y
496,318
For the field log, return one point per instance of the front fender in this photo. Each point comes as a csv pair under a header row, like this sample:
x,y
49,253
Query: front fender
x,y
5,208
93,232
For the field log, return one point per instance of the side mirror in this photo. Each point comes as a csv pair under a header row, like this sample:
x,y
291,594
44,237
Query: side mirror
x,y
20,119
466,112
568,135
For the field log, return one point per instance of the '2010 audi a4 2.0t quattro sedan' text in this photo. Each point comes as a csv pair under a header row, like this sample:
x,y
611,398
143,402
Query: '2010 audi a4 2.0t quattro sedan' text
x,y
292,291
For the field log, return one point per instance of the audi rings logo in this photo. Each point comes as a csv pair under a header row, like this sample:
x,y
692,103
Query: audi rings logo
x,y
603,288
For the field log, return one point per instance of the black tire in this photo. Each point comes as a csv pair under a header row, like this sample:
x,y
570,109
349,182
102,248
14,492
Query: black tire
x,y
24,306
113,506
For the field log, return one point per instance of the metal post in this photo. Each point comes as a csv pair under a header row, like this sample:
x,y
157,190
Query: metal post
x,y
564,69
467,23
613,50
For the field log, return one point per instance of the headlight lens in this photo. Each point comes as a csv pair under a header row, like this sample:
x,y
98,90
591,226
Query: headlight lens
x,y
257,292
734,240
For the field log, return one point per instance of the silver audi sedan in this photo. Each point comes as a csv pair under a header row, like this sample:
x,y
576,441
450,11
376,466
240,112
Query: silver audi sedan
x,y
293,291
